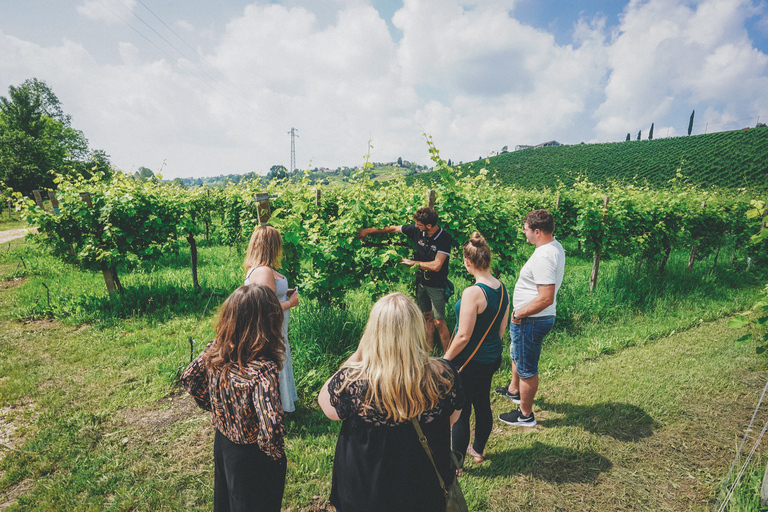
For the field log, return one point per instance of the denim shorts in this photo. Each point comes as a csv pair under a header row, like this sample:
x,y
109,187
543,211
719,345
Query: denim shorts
x,y
526,343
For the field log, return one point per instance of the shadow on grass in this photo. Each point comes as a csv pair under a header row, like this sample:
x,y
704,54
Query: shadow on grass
x,y
553,464
623,422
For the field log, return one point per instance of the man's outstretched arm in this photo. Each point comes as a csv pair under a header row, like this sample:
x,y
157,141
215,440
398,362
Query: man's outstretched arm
x,y
364,232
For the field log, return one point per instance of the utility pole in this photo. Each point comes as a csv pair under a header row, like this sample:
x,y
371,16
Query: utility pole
x,y
293,148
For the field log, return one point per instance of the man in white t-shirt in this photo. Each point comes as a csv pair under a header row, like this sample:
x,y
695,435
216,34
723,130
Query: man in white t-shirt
x,y
533,316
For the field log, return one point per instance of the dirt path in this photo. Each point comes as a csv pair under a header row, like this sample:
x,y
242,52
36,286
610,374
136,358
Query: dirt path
x,y
12,234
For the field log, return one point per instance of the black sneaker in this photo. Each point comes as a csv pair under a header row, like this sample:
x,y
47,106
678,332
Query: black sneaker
x,y
505,393
516,418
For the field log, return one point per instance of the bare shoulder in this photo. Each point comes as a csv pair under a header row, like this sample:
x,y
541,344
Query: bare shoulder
x,y
263,276
473,293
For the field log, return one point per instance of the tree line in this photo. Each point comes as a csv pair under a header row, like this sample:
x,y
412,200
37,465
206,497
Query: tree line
x,y
37,137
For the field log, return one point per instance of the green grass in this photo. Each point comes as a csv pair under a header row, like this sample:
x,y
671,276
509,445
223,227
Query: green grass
x,y
630,378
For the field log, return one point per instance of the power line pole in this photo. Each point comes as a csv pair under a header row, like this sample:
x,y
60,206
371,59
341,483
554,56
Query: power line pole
x,y
293,148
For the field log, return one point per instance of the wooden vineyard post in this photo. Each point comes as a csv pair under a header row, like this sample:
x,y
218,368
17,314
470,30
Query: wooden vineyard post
x,y
557,201
86,197
262,208
695,246
38,197
206,220
318,197
56,211
764,489
193,258
54,202
9,209
431,198
105,270
598,249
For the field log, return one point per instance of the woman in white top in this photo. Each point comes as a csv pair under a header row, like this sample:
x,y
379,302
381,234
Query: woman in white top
x,y
262,262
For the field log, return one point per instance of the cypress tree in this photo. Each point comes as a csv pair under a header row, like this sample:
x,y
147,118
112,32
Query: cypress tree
x,y
650,133
627,137
690,123
638,134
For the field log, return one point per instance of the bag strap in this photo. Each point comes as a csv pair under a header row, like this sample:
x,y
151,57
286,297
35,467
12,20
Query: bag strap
x,y
425,445
501,302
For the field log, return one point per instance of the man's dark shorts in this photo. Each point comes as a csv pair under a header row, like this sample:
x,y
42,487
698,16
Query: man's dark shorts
x,y
526,343
431,299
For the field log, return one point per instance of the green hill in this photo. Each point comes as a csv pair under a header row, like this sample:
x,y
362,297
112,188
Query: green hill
x,y
725,159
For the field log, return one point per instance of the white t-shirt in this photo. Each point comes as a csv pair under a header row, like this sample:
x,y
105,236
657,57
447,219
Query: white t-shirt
x,y
545,266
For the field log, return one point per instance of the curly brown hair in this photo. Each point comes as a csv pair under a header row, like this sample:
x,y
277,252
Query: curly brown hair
x,y
248,326
426,215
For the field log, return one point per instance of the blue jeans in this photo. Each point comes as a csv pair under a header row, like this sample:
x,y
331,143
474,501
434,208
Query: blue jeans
x,y
526,343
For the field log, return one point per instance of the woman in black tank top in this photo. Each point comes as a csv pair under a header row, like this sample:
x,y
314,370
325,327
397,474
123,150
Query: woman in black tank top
x,y
482,314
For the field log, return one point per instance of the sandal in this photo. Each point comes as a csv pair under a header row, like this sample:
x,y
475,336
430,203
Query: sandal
x,y
477,456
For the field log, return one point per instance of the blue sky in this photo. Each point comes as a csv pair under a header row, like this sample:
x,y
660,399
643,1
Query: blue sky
x,y
207,87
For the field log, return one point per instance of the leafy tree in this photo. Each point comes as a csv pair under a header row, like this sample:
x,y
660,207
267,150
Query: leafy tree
x,y
277,172
36,137
505,149
650,133
143,174
400,161
690,123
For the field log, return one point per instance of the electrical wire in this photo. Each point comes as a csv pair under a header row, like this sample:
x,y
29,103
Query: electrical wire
x,y
207,79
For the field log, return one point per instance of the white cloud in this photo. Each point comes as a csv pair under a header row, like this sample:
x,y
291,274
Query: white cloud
x,y
185,25
469,74
681,53
108,11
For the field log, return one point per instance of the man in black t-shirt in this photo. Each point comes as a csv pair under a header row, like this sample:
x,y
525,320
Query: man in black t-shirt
x,y
433,248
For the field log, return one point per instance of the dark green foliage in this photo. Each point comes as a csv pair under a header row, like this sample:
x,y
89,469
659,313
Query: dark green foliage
x,y
627,136
690,123
650,133
725,159
36,138
639,133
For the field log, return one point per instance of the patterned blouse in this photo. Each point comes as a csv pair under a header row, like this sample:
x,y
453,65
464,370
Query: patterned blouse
x,y
246,404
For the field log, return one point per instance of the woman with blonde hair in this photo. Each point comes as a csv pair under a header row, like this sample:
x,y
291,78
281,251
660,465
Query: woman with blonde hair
x,y
262,262
235,378
379,464
482,314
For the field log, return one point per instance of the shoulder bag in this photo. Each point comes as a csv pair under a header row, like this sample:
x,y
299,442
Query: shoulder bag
x,y
501,302
454,498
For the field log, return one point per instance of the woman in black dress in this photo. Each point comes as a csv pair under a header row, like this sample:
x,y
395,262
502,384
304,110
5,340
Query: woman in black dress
x,y
379,463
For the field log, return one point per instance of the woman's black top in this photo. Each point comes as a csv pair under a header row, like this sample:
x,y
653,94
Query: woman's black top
x,y
380,465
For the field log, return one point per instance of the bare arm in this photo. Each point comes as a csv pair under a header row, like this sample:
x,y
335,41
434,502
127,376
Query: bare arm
x,y
265,276
504,321
324,400
434,265
544,299
472,303
371,231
